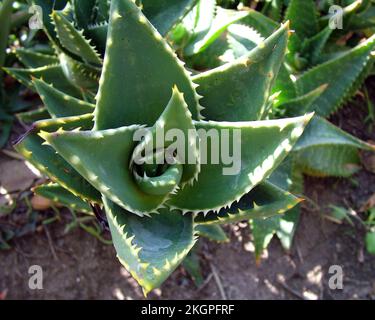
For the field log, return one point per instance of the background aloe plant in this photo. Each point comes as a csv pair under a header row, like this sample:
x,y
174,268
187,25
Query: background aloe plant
x,y
317,76
87,147
326,77
13,14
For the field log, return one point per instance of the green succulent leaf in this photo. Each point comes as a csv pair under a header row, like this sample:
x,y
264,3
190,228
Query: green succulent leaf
x,y
88,153
198,21
214,56
343,74
301,104
220,23
323,161
58,194
176,115
6,10
127,75
103,7
363,20
33,115
192,265
81,75
289,177
320,132
264,201
284,86
258,21
60,104
303,17
250,79
150,248
32,59
164,14
263,231
83,12
44,158
92,154
313,47
242,39
263,146
74,41
98,33
50,74
212,232
326,150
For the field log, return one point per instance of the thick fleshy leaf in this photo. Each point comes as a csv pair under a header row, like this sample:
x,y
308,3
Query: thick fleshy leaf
x,y
44,158
335,160
312,48
214,56
262,147
250,79
103,10
103,159
321,132
6,10
264,201
175,116
273,9
242,39
212,232
198,21
60,104
192,266
98,33
263,231
222,20
343,76
127,74
32,59
363,20
74,41
33,115
164,14
50,74
150,248
289,177
58,194
83,12
301,104
326,150
81,75
284,86
258,21
303,17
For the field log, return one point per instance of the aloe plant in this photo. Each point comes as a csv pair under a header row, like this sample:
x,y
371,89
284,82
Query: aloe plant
x,y
13,15
87,149
316,76
325,78
78,32
5,23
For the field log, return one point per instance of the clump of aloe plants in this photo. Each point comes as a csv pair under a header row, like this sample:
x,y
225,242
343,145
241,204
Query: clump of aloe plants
x,y
319,74
157,211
